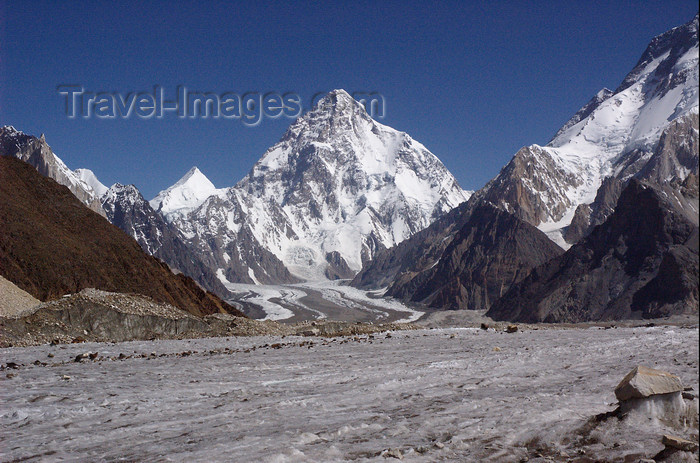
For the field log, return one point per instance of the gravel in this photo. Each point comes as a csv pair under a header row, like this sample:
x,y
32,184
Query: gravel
x,y
14,301
132,304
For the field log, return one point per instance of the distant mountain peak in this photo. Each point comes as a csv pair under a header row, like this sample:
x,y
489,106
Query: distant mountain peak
x,y
10,129
185,195
614,131
336,97
347,184
340,100
193,175
334,190
119,189
336,112
667,47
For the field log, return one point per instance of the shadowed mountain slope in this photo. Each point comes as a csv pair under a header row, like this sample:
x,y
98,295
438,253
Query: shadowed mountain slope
x,y
641,262
51,245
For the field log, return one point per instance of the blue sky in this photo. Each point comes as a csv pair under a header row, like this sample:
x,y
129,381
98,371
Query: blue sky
x,y
472,81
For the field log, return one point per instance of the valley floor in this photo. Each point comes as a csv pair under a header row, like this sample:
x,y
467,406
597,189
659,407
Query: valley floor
x,y
432,395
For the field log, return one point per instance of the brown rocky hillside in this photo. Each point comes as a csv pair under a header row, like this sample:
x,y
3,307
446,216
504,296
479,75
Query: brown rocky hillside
x,y
51,245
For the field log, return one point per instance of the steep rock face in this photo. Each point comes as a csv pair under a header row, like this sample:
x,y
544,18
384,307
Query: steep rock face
x,y
642,261
419,252
587,216
51,245
617,134
647,128
336,189
127,209
337,267
534,186
674,285
674,158
492,251
37,153
676,154
220,232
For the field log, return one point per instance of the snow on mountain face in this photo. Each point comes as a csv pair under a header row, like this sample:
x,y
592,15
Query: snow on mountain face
x,y
127,209
220,233
88,176
338,184
544,185
586,110
662,87
119,198
36,152
345,182
187,194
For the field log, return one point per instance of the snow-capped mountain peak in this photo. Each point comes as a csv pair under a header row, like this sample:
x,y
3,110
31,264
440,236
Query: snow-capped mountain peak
x,y
545,185
339,141
668,47
185,195
341,179
335,189
661,87
120,192
194,177
89,177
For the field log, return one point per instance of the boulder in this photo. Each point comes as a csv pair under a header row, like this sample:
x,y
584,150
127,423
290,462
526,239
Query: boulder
x,y
644,382
392,453
679,443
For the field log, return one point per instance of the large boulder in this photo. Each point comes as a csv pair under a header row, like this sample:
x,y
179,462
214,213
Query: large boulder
x,y
679,443
644,382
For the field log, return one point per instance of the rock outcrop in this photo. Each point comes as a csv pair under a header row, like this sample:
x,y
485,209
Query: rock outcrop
x,y
492,251
652,407
672,162
417,253
642,262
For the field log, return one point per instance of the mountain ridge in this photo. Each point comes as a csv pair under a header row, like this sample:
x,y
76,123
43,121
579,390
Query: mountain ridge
x,y
36,152
566,194
334,190
641,262
53,245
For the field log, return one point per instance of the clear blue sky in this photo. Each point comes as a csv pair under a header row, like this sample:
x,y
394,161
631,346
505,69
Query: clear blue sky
x,y
472,81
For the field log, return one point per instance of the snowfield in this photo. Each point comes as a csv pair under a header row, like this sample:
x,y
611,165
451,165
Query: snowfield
x,y
432,395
